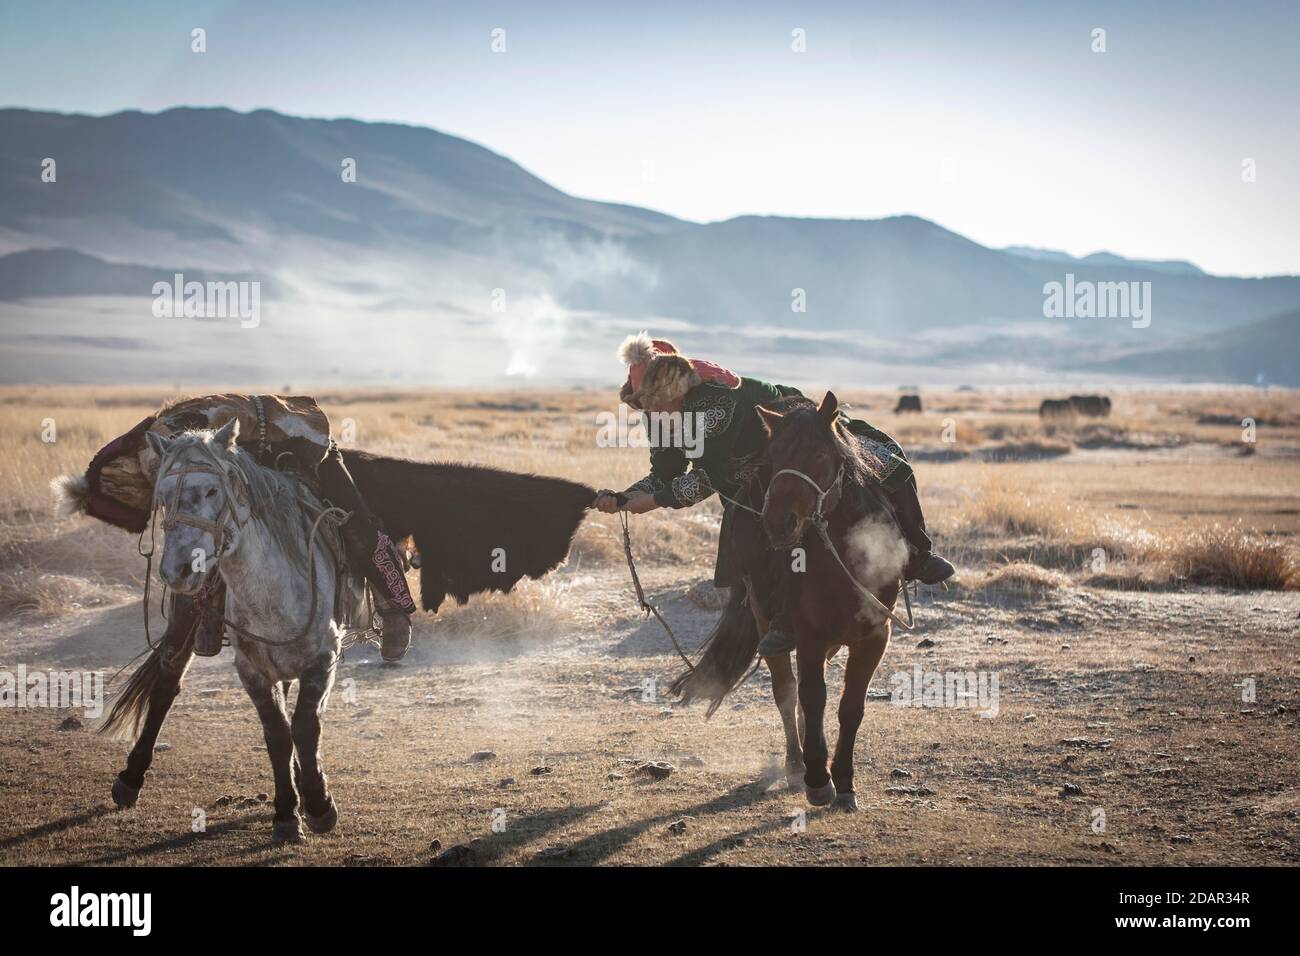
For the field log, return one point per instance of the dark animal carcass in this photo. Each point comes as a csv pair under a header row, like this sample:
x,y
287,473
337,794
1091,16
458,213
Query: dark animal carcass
x,y
1094,406
908,403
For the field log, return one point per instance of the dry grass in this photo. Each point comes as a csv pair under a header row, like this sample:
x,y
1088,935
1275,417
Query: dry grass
x,y
1022,533
1029,500
1018,579
1006,507
534,610
49,594
1230,557
1030,526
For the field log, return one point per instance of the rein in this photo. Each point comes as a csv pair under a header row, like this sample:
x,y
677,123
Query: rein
x,y
640,592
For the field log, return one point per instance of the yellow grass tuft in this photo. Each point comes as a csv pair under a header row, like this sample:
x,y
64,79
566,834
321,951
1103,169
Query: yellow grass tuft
x,y
1020,579
1230,556
49,593
1005,508
533,611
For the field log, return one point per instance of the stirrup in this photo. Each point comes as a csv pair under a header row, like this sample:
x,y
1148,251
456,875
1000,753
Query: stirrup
x,y
776,641
209,630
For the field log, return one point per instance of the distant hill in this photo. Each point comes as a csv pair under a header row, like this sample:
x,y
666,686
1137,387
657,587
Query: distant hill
x,y
213,173
1263,352
38,273
441,231
1172,266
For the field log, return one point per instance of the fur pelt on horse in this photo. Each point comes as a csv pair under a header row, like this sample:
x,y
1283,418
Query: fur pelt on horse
x,y
460,515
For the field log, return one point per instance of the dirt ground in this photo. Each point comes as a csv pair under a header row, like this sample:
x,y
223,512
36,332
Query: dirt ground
x,y
519,727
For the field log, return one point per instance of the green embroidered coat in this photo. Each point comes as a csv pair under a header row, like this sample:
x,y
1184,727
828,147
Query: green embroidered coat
x,y
732,446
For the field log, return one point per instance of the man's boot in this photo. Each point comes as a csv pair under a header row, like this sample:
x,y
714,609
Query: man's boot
x,y
924,566
385,570
373,553
395,635
780,636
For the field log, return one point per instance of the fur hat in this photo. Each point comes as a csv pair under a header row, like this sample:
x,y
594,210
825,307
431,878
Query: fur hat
x,y
640,349
667,379
658,374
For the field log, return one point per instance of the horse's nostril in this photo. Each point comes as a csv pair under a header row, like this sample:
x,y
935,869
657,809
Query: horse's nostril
x,y
790,522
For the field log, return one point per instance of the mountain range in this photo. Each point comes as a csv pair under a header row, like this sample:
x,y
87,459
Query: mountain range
x,y
438,249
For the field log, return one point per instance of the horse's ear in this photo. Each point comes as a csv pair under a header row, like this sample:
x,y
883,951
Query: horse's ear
x,y
227,435
829,409
768,417
158,443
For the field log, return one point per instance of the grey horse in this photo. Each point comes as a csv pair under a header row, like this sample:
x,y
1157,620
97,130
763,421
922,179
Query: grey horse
x,y
289,599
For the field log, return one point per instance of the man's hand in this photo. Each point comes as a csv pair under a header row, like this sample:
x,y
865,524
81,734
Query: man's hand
x,y
638,502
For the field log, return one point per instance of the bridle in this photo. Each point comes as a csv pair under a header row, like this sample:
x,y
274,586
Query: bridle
x,y
818,515
174,516
820,522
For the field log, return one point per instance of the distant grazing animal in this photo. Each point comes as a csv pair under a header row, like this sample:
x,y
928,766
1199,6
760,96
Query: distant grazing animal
x,y
1056,408
818,478
908,403
1094,406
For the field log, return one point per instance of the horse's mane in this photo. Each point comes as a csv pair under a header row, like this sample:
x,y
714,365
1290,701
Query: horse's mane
x,y
803,429
273,496
460,514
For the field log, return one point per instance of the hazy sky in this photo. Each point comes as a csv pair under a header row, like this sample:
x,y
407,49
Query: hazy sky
x,y
996,120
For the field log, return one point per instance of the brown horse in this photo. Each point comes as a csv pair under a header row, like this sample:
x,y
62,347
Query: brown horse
x,y
818,478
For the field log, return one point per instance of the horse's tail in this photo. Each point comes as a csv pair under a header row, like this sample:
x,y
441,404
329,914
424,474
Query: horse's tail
x,y
728,655
132,703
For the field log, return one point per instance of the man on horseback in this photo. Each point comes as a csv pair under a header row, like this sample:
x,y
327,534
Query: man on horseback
x,y
282,432
662,380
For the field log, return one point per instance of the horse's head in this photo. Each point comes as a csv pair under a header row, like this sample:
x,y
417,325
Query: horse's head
x,y
806,451
195,490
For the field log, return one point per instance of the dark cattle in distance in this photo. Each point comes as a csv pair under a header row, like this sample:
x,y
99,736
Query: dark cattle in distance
x,y
1094,406
1056,408
908,403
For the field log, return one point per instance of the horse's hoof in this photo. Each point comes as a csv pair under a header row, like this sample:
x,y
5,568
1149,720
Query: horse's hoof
x,y
287,831
326,822
846,801
821,796
125,795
